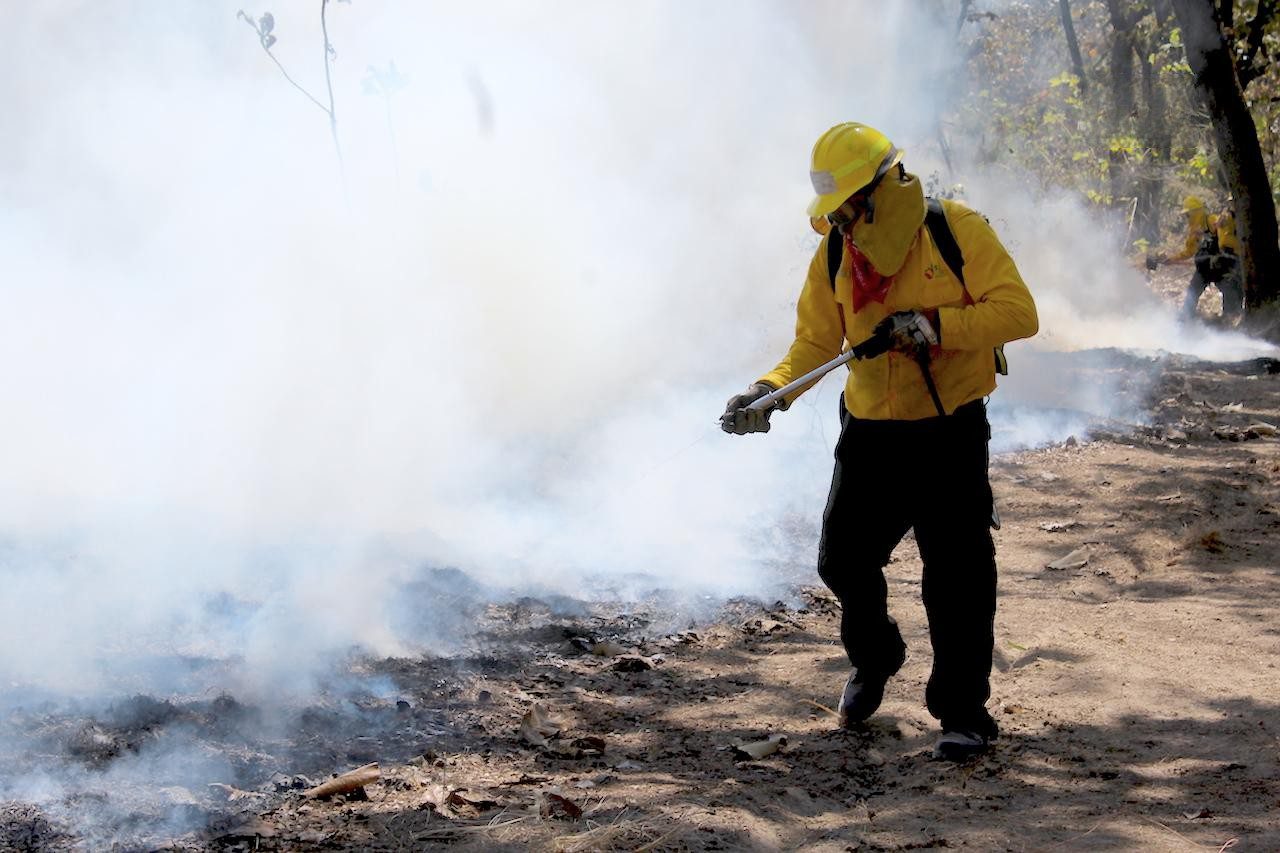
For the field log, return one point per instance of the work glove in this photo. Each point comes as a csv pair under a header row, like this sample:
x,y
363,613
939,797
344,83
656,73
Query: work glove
x,y
740,420
910,331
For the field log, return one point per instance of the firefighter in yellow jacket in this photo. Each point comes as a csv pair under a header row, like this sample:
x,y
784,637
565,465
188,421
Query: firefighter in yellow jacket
x,y
912,451
1212,244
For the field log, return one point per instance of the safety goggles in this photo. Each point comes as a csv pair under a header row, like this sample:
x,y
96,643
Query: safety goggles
x,y
849,212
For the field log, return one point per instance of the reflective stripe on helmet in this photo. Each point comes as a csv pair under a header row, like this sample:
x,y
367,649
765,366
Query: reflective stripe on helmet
x,y
826,182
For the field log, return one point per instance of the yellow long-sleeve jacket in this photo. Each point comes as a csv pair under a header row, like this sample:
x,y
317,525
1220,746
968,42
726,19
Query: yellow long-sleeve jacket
x,y
1198,222
1225,224
892,386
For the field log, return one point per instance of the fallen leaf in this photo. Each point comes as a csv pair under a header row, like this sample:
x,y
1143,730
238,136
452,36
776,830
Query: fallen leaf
x,y
1077,559
554,805
436,797
1262,428
536,726
755,750
456,798
608,649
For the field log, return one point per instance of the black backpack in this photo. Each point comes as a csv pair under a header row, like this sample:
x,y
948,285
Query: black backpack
x,y
935,219
1208,257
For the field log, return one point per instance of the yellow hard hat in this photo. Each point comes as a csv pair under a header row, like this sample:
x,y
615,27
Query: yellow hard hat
x,y
848,158
1192,203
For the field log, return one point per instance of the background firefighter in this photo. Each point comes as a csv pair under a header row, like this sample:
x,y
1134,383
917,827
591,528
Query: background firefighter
x,y
1212,245
891,269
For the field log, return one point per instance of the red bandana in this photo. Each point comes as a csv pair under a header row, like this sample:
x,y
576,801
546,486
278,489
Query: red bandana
x,y
868,285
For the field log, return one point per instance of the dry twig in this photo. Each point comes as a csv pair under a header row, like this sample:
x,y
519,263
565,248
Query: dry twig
x,y
821,707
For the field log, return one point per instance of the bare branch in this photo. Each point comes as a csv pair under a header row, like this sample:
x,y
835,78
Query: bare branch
x,y
329,53
295,84
266,39
1073,44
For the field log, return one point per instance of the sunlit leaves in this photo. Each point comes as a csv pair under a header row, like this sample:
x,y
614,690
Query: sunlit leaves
x,y
1198,165
1128,145
1066,78
1025,104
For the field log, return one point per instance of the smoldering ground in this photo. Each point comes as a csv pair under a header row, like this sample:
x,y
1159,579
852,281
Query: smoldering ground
x,y
266,407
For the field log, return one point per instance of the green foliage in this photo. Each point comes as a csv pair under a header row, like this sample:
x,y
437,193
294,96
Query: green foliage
x,y
1032,110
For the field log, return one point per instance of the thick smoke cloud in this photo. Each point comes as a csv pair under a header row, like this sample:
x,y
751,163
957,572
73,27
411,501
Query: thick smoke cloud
x,y
252,395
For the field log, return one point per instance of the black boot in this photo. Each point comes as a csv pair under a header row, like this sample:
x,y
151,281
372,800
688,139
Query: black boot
x,y
863,692
861,698
964,740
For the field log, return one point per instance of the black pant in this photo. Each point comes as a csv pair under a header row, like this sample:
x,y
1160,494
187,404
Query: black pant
x,y
930,474
1223,270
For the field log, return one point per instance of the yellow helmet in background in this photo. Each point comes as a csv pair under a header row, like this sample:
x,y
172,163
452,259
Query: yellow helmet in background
x,y
847,158
1192,203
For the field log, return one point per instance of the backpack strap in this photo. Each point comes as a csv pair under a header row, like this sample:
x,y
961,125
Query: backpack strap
x,y
940,230
935,218
835,253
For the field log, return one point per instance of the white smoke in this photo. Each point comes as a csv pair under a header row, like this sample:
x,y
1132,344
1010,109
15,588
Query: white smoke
x,y
249,400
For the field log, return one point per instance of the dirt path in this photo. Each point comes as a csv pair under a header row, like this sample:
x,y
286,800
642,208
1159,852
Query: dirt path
x,y
1138,694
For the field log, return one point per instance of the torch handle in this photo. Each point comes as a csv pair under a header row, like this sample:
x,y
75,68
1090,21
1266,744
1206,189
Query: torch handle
x,y
817,373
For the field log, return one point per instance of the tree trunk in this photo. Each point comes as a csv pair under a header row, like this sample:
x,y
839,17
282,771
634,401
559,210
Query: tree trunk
x,y
1157,138
1210,59
1073,44
1123,48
